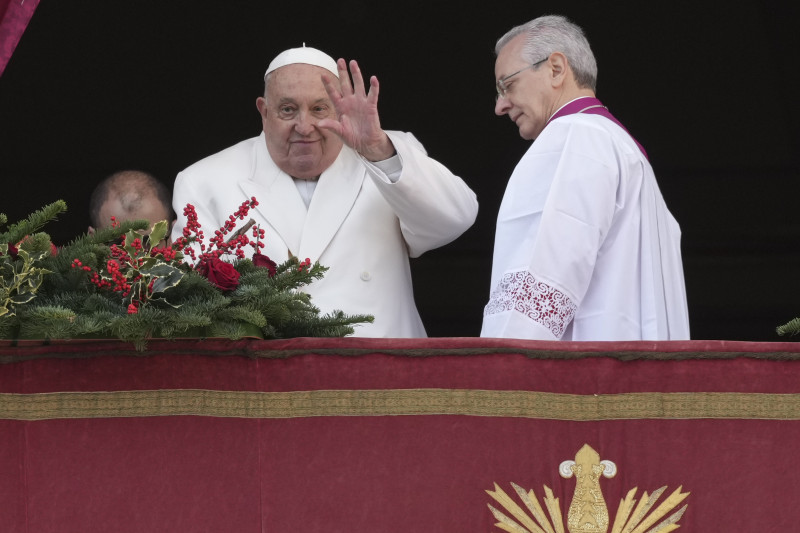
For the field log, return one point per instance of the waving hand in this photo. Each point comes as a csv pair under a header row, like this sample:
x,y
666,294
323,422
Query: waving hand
x,y
357,121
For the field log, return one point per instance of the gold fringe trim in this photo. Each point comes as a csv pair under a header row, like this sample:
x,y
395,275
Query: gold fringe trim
x,y
394,402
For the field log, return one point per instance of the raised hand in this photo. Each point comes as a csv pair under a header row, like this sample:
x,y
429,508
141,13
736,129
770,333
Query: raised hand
x,y
357,121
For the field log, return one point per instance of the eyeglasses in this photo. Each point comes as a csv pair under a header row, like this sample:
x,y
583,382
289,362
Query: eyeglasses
x,y
502,89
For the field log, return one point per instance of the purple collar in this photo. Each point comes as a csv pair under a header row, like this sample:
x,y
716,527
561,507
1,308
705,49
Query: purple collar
x,y
591,106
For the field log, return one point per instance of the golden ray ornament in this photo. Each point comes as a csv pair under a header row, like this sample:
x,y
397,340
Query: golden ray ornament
x,y
587,511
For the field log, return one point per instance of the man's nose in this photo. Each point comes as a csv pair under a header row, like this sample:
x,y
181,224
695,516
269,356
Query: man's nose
x,y
501,106
305,124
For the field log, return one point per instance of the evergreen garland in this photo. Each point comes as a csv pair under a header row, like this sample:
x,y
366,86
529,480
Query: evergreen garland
x,y
77,291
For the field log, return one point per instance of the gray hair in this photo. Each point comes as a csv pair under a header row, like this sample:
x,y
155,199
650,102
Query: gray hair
x,y
554,33
266,83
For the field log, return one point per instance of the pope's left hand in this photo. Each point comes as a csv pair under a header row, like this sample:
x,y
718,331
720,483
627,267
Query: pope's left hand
x,y
357,121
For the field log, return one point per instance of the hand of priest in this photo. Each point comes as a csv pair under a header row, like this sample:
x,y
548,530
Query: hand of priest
x,y
357,121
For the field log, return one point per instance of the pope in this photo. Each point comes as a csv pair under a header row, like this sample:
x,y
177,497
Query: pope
x,y
334,186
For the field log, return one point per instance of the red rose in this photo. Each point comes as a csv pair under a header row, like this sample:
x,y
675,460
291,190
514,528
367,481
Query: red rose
x,y
12,251
219,273
261,260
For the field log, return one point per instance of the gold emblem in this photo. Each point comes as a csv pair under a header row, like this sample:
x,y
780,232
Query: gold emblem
x,y
587,512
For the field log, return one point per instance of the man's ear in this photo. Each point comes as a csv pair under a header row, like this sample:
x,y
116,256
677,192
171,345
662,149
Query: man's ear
x,y
559,66
261,104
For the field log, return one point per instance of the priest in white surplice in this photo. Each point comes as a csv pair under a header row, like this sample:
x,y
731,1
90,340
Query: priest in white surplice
x,y
585,247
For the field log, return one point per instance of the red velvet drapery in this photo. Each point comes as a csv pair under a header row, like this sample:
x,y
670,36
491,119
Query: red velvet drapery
x,y
14,18
388,435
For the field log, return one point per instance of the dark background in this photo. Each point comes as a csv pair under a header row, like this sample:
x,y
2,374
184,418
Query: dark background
x,y
98,86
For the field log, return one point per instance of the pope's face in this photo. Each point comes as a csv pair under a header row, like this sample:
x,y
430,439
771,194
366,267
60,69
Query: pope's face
x,y
295,103
529,98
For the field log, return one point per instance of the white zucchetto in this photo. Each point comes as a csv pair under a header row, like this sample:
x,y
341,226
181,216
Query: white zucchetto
x,y
305,55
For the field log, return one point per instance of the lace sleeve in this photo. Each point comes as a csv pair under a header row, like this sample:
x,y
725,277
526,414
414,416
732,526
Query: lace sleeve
x,y
519,291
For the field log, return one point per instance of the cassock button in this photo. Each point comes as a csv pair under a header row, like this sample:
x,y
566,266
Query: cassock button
x,y
365,276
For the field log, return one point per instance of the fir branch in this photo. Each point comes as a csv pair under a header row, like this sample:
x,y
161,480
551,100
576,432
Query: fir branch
x,y
139,327
790,328
8,326
335,324
37,244
242,314
289,275
47,322
111,234
233,330
34,222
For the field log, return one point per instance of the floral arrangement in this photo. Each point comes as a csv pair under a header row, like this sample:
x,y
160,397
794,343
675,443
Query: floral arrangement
x,y
122,282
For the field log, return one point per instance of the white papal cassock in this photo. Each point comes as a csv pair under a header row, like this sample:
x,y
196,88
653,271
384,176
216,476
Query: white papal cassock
x,y
361,223
585,247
